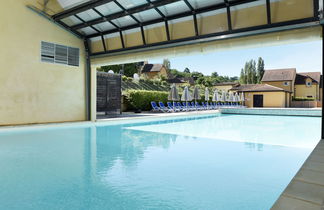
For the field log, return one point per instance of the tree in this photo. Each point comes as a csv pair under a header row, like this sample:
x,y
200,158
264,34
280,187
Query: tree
x,y
214,74
253,72
186,70
129,68
242,77
260,69
167,64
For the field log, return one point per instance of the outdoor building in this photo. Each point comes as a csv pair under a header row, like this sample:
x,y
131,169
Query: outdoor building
x,y
264,95
154,71
301,85
181,80
281,78
225,86
307,85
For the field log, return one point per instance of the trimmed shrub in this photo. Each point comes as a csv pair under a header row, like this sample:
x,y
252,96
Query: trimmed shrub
x,y
141,99
303,99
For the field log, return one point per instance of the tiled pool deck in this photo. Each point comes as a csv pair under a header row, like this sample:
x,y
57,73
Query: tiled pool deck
x,y
306,189
145,115
316,112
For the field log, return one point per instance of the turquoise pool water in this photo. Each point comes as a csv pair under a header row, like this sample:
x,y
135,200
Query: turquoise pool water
x,y
208,162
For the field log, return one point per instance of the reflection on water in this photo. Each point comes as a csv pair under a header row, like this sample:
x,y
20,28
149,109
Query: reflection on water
x,y
115,167
254,146
128,146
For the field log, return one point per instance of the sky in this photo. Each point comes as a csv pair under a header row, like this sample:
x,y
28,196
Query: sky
x,y
305,57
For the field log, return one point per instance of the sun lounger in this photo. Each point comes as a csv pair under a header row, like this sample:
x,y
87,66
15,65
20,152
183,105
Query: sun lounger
x,y
170,106
155,107
162,106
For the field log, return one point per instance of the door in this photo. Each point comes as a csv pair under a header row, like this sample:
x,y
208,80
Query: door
x,y
257,100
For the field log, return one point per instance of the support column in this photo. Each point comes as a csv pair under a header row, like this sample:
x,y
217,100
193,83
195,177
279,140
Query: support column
x,y
322,133
93,94
87,80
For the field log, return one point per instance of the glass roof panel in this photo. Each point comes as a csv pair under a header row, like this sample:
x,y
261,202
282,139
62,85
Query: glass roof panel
x,y
147,15
204,3
127,4
174,8
87,31
105,26
247,5
66,4
108,9
88,15
124,21
70,21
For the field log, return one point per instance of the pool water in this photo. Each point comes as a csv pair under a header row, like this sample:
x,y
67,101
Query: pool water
x,y
207,162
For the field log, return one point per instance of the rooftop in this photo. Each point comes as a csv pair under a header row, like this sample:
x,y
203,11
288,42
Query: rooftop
x,y
226,83
152,68
257,88
279,75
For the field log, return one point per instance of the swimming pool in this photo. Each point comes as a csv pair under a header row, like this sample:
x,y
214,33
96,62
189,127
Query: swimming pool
x,y
207,162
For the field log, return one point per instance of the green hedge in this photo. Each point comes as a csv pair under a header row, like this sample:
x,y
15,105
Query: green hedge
x,y
141,99
303,99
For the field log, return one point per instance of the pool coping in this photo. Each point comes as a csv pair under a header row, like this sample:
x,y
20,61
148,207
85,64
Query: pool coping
x,y
306,189
307,112
103,122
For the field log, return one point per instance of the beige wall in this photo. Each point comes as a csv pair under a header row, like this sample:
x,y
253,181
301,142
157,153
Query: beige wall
x,y
304,91
32,91
270,99
280,84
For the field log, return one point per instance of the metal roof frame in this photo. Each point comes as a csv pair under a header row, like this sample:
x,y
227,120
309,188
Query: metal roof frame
x,y
226,4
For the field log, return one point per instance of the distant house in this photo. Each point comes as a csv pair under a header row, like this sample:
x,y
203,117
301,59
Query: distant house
x,y
264,95
307,85
181,80
301,85
225,86
279,87
154,70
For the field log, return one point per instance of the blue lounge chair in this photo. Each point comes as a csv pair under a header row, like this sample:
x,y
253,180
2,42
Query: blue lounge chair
x,y
170,106
186,106
212,105
198,106
179,106
155,107
161,104
203,105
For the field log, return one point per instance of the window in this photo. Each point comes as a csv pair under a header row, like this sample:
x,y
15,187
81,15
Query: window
x,y
55,53
308,84
286,83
